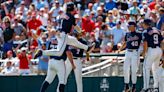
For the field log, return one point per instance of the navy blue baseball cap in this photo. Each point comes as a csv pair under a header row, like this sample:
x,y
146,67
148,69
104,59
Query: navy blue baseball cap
x,y
70,6
147,21
131,23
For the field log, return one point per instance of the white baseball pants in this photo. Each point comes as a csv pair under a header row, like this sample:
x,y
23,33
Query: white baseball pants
x,y
77,72
151,61
131,63
161,79
56,67
63,40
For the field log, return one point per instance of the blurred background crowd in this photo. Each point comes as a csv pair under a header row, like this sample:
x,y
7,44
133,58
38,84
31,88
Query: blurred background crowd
x,y
25,26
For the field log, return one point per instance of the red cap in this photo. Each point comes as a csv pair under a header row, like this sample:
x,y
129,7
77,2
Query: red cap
x,y
92,34
32,47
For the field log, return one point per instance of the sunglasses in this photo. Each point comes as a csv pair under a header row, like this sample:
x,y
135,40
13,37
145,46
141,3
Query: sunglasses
x,y
7,22
44,38
24,51
15,19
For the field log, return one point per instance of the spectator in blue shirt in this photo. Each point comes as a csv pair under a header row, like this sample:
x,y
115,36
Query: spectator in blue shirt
x,y
96,4
160,23
40,3
110,5
43,62
110,20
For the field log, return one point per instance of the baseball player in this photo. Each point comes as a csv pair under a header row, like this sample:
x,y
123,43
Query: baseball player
x,y
78,54
66,23
132,43
56,65
152,54
161,76
58,56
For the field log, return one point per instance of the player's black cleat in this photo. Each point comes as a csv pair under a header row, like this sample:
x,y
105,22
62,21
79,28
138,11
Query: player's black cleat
x,y
144,90
133,89
37,54
126,88
91,47
44,86
155,90
61,87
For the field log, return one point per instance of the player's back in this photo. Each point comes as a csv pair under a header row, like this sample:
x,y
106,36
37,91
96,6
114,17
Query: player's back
x,y
66,22
153,37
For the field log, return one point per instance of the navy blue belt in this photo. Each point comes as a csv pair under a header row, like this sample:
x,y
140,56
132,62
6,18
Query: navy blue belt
x,y
131,50
76,57
154,47
57,58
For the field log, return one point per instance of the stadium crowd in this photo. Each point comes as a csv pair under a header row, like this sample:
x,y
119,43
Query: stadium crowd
x,y
26,26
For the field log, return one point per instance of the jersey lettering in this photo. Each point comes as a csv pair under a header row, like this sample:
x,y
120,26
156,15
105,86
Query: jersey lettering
x,y
133,40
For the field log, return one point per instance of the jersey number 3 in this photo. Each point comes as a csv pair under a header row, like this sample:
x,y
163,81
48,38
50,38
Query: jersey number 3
x,y
155,37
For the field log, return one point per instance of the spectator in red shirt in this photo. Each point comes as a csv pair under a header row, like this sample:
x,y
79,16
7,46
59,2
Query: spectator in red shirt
x,y
155,3
34,23
23,62
87,24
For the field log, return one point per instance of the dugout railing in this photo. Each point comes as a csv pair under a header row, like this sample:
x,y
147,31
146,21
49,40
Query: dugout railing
x,y
105,64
